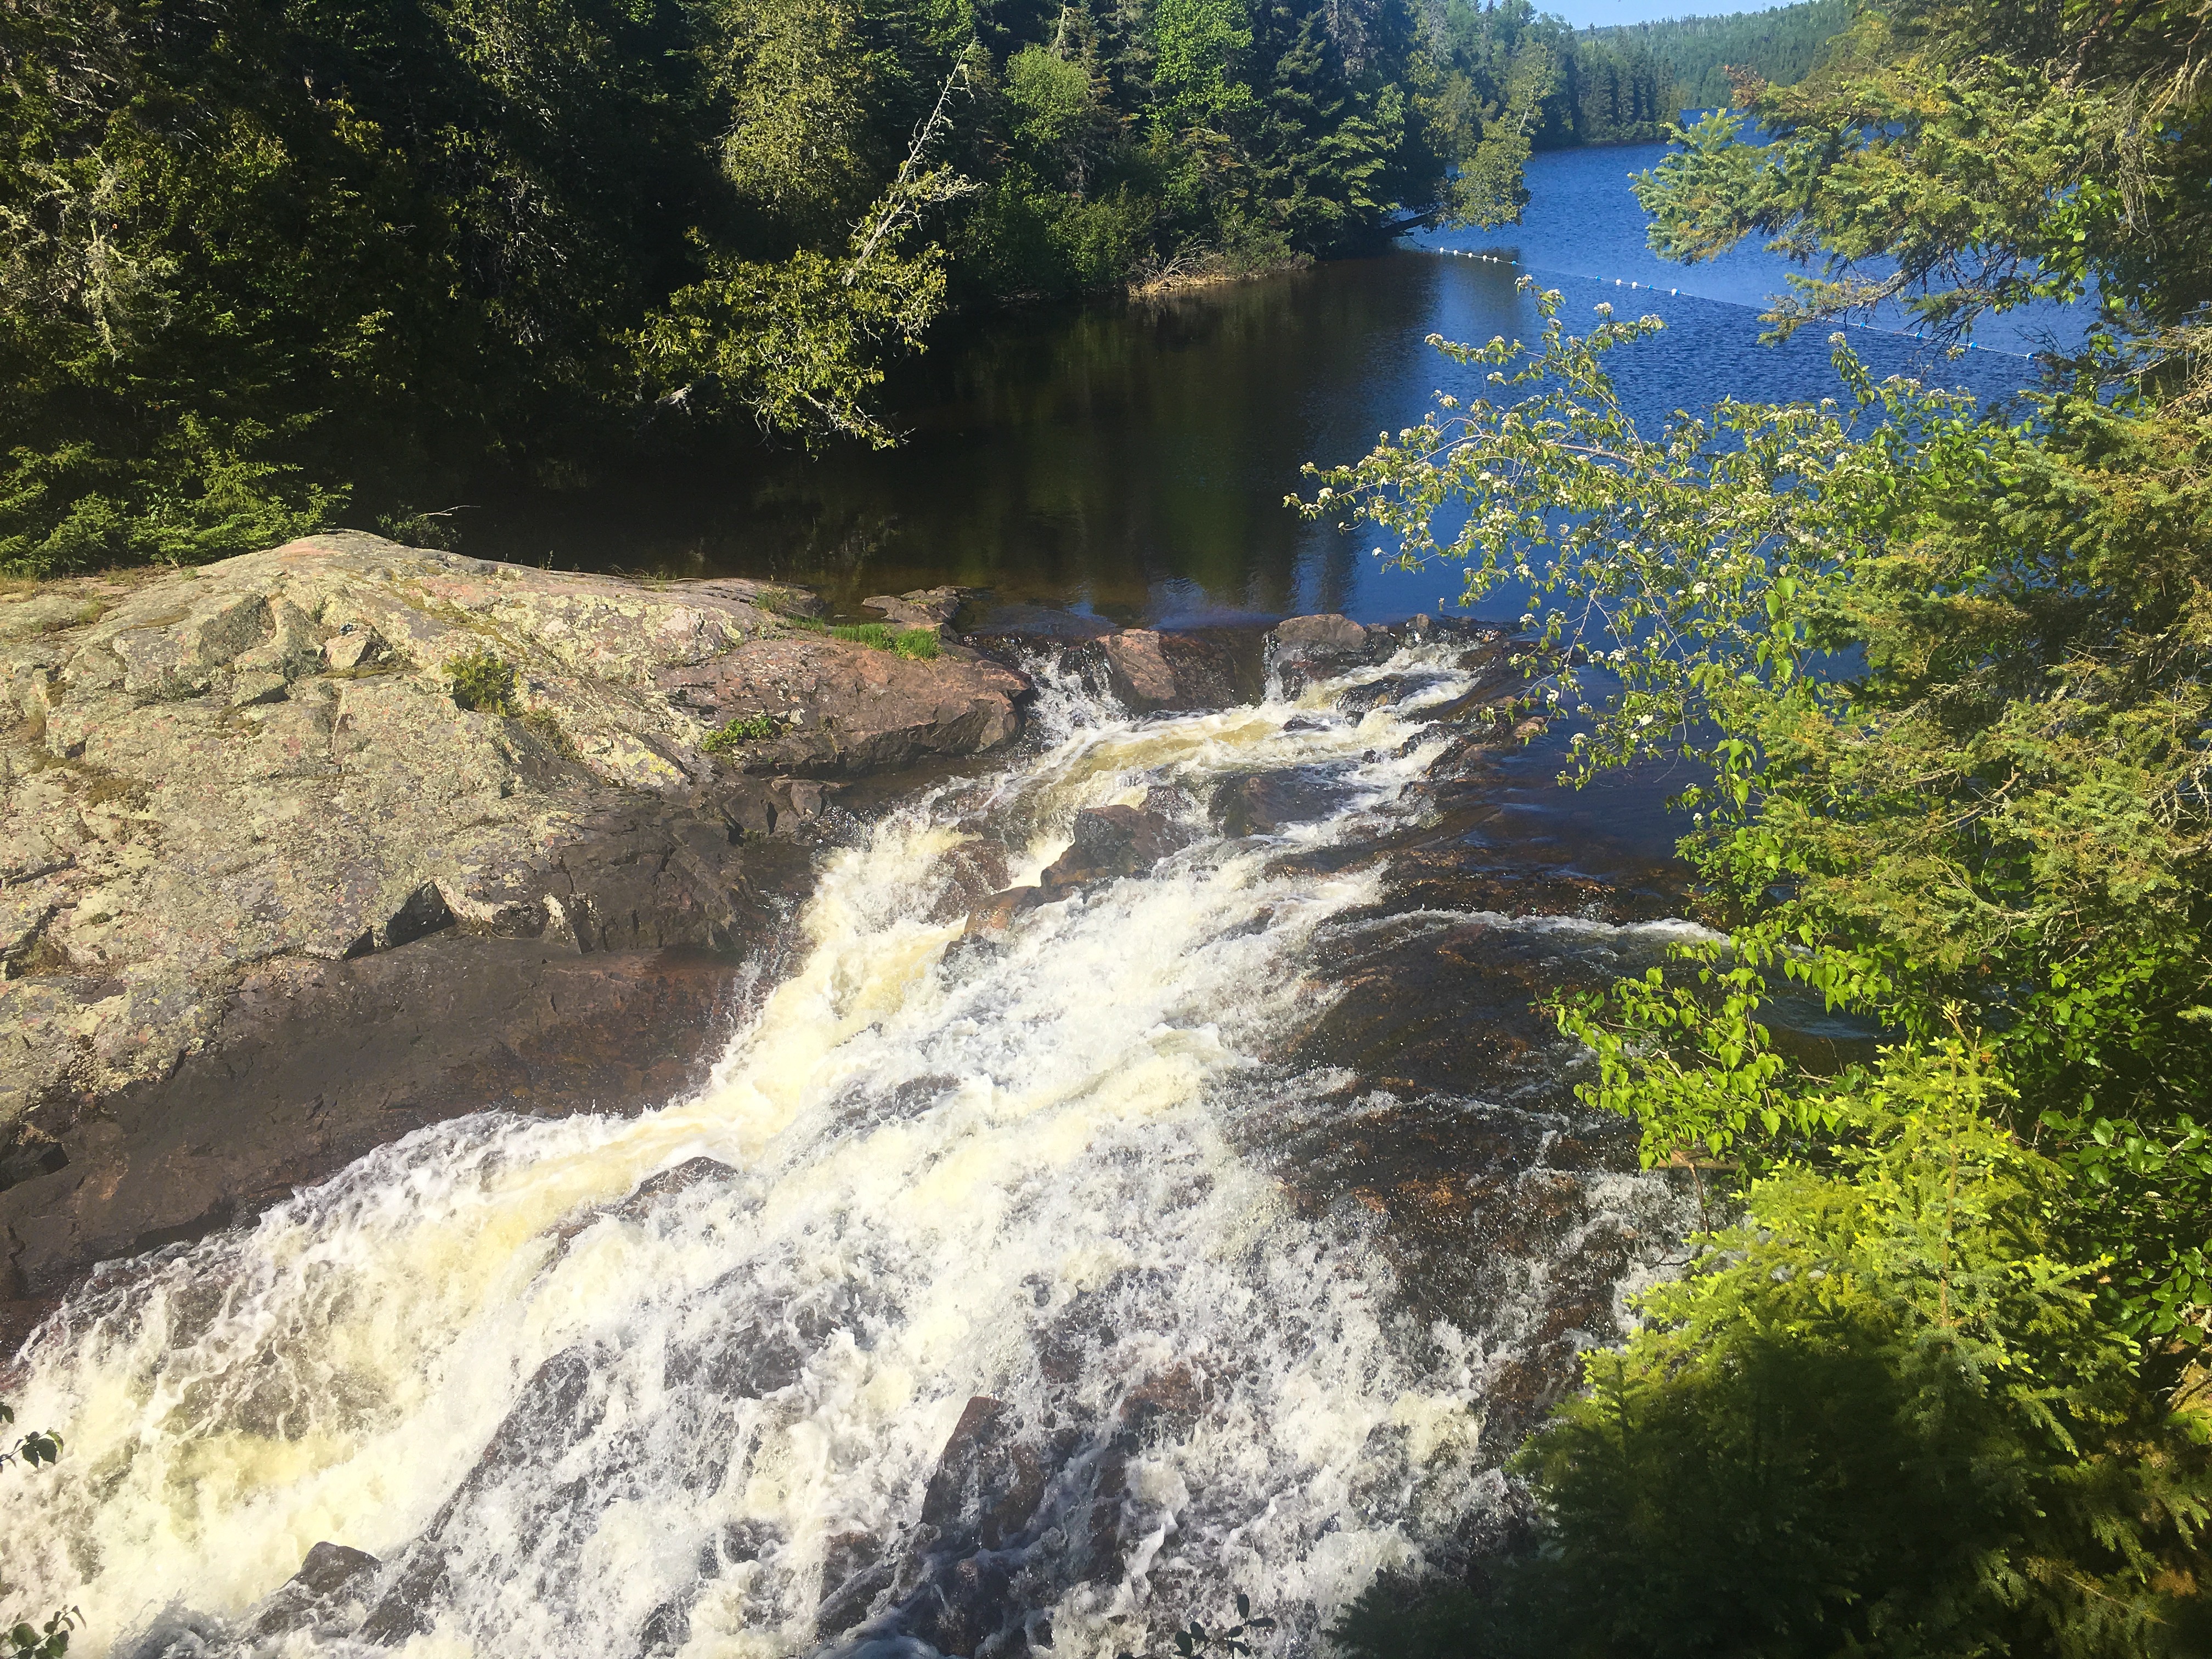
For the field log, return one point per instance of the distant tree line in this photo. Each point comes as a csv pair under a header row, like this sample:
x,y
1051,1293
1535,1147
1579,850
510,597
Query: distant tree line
x,y
265,262
1777,47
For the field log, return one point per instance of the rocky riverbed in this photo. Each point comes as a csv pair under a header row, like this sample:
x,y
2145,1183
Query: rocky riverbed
x,y
1142,1158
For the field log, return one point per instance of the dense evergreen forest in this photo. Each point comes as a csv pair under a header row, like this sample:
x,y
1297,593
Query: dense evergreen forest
x,y
1939,681
1696,53
265,262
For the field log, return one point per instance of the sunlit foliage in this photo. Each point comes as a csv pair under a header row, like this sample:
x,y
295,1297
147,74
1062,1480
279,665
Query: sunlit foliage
x,y
1941,672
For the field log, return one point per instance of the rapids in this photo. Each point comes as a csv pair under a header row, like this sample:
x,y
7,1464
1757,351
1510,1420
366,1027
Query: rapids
x,y
975,1304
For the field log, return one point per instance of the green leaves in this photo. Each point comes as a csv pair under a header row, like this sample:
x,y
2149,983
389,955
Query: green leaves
x,y
1194,44
1922,167
1881,1404
482,680
1944,680
797,345
1689,1063
1998,816
800,345
48,1641
42,1447
731,736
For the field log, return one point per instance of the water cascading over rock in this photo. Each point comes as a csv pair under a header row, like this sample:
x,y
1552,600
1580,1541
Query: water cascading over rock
x,y
1023,1286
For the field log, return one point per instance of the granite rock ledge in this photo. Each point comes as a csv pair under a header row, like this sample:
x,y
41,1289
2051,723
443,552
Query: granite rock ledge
x,y
245,812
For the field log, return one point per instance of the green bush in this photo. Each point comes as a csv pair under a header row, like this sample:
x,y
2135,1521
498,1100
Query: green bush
x,y
482,680
1880,1417
916,644
726,738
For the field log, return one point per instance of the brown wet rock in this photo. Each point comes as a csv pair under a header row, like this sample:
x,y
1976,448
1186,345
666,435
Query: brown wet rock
x,y
1496,1219
1476,846
1147,669
558,1408
1015,1514
854,1573
973,876
1304,649
317,1063
1113,841
1169,1403
994,915
652,1194
928,607
987,1478
1264,802
1138,669
326,1595
222,783
846,709
1378,694
1439,1020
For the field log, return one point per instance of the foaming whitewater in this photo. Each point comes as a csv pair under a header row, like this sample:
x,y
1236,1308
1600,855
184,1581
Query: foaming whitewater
x,y
678,1384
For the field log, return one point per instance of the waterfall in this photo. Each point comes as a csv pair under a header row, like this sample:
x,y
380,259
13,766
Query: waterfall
x,y
965,1308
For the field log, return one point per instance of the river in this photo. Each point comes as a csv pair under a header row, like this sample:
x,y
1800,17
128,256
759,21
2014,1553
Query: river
x,y
1215,1231
1128,461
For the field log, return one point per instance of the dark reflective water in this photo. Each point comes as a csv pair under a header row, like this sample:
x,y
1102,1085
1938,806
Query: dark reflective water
x,y
1130,460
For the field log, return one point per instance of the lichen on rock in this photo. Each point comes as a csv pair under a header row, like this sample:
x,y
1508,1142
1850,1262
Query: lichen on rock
x,y
263,760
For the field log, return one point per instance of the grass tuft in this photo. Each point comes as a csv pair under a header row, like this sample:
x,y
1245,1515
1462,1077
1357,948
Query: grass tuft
x,y
746,728
482,680
915,644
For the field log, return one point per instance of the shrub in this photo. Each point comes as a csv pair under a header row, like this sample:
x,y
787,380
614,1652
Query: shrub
x,y
483,681
746,728
1880,1417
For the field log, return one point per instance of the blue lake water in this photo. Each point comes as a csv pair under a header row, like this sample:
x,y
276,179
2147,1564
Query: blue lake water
x,y
1582,221
1129,461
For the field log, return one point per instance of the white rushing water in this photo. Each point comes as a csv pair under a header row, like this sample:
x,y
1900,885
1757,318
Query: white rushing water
x,y
1022,1171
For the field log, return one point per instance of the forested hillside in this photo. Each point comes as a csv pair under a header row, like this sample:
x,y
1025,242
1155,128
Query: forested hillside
x,y
1778,46
265,262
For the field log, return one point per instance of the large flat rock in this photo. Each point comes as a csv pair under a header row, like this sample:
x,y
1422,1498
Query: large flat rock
x,y
257,774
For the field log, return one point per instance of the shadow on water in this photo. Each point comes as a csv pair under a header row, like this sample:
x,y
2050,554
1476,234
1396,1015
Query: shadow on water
x,y
1130,460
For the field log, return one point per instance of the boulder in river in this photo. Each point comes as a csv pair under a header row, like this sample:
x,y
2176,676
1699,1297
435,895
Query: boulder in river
x,y
1111,841
1307,648
329,1591
1263,802
930,607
